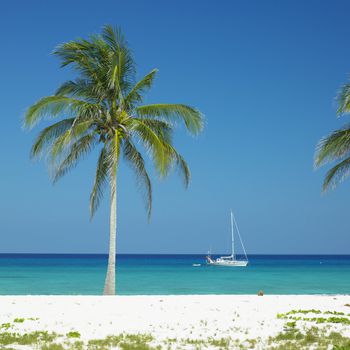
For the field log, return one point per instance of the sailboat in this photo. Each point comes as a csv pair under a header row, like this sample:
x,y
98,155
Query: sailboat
x,y
231,259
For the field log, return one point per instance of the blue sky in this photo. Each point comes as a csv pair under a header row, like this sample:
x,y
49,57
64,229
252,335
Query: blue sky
x,y
264,73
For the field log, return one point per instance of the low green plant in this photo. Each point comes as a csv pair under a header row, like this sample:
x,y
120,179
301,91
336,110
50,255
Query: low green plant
x,y
291,315
19,320
78,345
6,326
290,324
73,334
123,341
220,343
334,313
8,338
53,346
341,347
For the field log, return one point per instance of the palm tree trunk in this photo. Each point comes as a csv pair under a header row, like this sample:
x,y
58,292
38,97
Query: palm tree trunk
x,y
109,288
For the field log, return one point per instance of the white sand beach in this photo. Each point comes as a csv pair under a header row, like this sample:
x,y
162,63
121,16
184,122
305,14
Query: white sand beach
x,y
194,316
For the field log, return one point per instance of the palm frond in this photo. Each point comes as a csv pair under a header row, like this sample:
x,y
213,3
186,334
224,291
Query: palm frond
x,y
113,37
337,174
163,129
184,170
154,144
334,146
82,88
136,161
120,73
53,106
78,54
90,58
135,94
181,164
156,136
67,138
172,112
74,52
49,134
77,150
343,100
122,65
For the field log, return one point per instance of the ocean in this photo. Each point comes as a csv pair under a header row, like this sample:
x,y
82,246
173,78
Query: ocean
x,y
83,274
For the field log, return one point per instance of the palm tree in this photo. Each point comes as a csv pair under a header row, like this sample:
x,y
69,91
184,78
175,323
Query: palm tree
x,y
102,108
336,146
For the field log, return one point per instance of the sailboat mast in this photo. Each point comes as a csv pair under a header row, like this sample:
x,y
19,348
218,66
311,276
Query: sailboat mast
x,y
233,242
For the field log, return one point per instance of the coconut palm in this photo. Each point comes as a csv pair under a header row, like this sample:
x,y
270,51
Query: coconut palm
x,y
102,108
336,146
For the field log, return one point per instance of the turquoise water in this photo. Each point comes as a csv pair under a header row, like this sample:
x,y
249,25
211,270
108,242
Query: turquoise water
x,y
174,274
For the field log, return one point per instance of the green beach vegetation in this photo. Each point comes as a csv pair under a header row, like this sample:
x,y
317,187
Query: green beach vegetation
x,y
317,316
102,108
300,334
336,146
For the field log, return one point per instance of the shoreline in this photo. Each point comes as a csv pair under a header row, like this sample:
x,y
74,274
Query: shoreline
x,y
166,295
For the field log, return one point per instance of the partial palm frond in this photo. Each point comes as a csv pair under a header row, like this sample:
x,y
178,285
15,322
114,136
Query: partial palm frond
x,y
49,134
76,151
343,100
52,106
172,112
184,170
154,144
136,161
82,88
77,53
74,52
122,66
334,146
163,129
181,164
135,95
120,73
113,37
64,141
100,181
156,136
337,174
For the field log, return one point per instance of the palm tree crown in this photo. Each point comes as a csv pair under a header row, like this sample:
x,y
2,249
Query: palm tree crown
x,y
102,106
336,146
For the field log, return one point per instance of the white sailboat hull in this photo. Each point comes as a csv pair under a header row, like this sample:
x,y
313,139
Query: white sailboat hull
x,y
234,263
226,261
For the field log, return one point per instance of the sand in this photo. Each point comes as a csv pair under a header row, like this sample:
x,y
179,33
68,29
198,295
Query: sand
x,y
191,316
